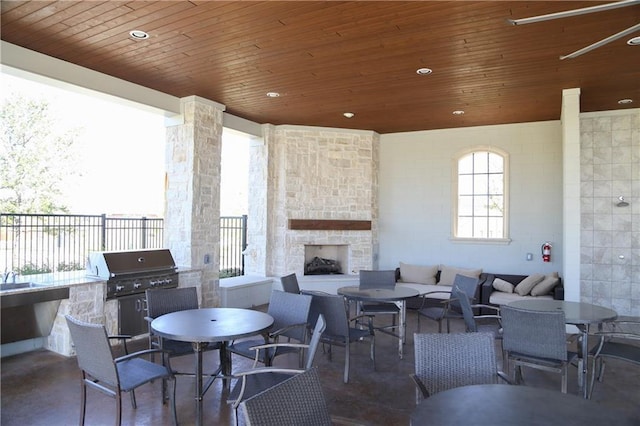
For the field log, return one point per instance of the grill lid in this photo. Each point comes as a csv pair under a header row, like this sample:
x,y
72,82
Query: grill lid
x,y
111,264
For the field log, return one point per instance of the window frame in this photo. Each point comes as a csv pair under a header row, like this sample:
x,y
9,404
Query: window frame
x,y
505,239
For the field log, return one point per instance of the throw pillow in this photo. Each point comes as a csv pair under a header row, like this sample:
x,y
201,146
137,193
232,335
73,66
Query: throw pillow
x,y
418,273
502,285
526,285
448,274
545,286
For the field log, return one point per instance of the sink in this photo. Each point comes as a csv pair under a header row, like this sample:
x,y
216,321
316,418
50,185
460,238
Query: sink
x,y
15,286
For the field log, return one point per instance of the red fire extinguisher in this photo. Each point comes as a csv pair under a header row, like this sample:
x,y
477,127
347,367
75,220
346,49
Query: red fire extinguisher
x,y
546,252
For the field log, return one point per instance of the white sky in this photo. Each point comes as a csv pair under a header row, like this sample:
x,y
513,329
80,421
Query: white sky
x,y
123,151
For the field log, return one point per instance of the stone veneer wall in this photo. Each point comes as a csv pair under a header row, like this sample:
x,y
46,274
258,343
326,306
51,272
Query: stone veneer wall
x,y
87,303
192,207
311,173
610,235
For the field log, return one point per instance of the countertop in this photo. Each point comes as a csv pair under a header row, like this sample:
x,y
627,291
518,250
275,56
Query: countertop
x,y
52,280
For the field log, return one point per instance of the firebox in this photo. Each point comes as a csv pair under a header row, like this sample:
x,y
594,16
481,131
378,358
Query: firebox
x,y
325,259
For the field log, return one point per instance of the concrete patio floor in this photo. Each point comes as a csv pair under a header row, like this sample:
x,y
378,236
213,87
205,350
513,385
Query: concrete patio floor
x,y
43,388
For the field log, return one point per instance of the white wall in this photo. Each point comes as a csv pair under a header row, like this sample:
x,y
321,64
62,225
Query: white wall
x,y
415,184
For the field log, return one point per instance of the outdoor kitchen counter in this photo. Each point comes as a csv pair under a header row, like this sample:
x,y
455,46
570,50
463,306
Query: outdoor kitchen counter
x,y
51,280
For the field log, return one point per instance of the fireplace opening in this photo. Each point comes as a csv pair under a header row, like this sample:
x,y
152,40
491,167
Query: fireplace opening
x,y
326,259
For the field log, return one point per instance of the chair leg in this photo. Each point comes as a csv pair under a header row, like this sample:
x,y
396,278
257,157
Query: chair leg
x,y
118,407
346,362
173,402
134,405
564,379
83,400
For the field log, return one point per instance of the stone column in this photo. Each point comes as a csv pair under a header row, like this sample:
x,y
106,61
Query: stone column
x,y
192,204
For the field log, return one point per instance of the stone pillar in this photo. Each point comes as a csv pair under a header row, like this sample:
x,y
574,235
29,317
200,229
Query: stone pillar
x,y
571,193
192,204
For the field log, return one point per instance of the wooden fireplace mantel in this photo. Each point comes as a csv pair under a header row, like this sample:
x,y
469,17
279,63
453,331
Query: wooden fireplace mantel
x,y
329,225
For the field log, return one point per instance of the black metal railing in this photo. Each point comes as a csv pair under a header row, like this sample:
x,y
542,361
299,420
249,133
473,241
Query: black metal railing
x,y
40,243
233,241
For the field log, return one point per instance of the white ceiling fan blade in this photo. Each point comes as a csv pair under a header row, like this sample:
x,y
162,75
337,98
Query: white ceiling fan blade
x,y
575,12
602,42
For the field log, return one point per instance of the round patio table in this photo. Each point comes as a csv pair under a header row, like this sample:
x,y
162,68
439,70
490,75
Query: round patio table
x,y
481,405
397,295
203,326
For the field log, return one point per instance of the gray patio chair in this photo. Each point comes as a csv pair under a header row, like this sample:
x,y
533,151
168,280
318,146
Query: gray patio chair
x,y
252,382
298,400
290,283
290,313
490,323
164,301
621,342
376,280
448,309
535,339
446,361
111,376
339,331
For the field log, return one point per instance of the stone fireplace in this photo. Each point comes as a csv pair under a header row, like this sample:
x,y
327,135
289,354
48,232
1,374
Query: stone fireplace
x,y
314,195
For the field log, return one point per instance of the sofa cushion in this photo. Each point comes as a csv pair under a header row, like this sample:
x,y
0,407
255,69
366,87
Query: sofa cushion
x,y
545,286
502,285
500,298
418,274
525,286
448,274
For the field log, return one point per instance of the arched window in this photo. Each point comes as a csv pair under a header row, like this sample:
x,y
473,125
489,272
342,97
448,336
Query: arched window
x,y
481,201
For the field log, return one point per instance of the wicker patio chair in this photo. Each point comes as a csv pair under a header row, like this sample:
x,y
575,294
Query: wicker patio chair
x,y
290,283
446,361
298,400
111,376
448,308
290,313
478,323
535,339
258,379
621,342
375,280
339,331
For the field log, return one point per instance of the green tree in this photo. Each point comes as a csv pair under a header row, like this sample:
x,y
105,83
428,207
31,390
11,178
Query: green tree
x,y
37,158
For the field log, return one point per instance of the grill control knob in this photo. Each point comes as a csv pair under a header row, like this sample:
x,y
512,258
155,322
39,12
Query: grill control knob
x,y
136,286
153,283
119,288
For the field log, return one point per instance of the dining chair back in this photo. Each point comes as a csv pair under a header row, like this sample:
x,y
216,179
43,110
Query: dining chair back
x,y
340,331
377,279
298,400
100,371
290,312
446,361
486,323
535,339
290,283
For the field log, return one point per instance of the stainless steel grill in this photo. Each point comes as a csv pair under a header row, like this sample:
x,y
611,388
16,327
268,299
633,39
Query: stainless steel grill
x,y
133,272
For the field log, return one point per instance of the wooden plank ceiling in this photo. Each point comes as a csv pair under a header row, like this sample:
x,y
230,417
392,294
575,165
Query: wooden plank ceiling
x,y
327,58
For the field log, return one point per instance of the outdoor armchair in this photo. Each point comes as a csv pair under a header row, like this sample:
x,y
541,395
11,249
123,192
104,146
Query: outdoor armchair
x,y
112,376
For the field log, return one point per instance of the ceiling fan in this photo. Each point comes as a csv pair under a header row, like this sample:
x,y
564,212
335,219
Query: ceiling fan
x,y
583,11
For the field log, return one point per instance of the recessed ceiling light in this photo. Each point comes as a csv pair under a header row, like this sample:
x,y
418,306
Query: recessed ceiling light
x,y
424,71
138,35
349,114
273,94
458,112
634,41
625,101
